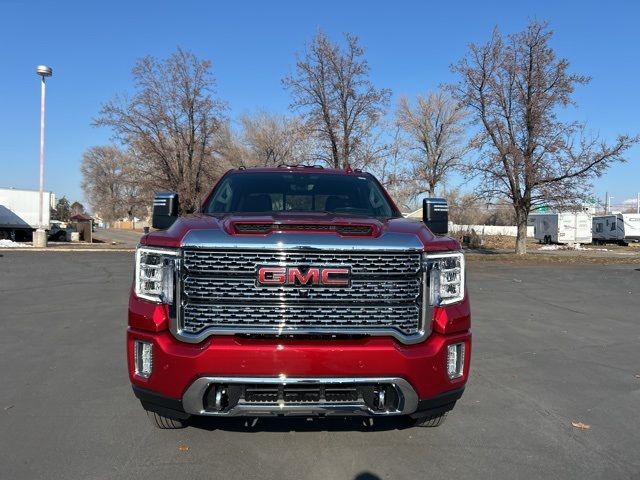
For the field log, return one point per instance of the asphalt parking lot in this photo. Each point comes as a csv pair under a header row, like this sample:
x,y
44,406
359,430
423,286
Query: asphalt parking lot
x,y
553,344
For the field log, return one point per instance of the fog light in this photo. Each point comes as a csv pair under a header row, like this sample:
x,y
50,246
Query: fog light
x,y
143,353
455,360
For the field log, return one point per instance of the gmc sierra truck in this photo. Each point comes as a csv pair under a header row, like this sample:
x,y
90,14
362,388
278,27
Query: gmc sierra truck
x,y
298,291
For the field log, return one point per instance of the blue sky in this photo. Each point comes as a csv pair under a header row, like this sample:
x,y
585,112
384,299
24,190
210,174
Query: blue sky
x,y
410,45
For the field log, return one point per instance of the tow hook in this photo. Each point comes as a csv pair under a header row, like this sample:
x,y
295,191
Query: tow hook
x,y
380,398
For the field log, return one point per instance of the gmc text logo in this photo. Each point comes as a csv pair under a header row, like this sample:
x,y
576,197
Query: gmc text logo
x,y
329,277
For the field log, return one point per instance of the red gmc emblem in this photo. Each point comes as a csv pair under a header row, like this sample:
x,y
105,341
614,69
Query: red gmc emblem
x,y
329,277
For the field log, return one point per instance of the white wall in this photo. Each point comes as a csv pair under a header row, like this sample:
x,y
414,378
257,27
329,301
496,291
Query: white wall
x,y
510,230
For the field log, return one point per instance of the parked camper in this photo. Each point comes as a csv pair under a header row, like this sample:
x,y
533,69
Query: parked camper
x,y
616,228
564,227
19,212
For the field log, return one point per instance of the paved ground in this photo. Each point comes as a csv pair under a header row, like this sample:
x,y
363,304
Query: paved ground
x,y
553,344
122,238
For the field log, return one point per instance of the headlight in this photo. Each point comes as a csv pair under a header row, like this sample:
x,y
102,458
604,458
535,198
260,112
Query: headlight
x,y
155,271
445,274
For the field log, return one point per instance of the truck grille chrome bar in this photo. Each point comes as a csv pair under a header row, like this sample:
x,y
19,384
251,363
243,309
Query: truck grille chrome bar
x,y
289,319
218,293
210,262
228,289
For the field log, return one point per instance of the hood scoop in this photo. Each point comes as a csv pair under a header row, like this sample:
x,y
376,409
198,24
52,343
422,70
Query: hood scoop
x,y
265,228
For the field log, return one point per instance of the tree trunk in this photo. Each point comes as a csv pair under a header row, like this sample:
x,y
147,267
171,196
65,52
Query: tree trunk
x,y
521,239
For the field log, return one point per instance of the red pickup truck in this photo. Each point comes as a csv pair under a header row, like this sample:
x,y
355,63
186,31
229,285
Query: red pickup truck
x,y
298,291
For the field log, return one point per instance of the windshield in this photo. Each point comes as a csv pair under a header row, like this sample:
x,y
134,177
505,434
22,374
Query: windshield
x,y
270,192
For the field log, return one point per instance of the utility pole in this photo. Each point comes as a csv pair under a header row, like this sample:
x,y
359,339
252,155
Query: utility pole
x,y
40,235
638,204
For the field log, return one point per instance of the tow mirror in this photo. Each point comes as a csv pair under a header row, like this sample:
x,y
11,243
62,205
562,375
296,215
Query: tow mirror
x,y
165,209
435,215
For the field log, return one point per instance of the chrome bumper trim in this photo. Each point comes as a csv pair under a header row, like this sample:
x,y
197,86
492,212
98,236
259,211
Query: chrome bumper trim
x,y
343,332
193,399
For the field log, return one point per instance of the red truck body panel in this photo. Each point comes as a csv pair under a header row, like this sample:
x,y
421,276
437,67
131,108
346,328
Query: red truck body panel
x,y
178,364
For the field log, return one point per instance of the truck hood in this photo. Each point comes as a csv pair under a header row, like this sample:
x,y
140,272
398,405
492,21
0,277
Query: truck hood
x,y
295,230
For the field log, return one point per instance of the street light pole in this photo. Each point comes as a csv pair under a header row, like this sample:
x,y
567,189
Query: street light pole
x,y
40,236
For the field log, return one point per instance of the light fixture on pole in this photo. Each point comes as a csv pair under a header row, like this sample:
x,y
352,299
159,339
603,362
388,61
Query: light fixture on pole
x,y
40,235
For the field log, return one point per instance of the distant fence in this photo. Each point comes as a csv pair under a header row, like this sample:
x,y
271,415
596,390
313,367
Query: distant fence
x,y
129,225
508,230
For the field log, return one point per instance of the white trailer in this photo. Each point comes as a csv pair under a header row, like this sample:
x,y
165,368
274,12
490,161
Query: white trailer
x,y
19,212
563,227
616,228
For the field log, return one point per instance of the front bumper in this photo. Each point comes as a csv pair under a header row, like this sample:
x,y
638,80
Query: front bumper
x,y
180,369
174,408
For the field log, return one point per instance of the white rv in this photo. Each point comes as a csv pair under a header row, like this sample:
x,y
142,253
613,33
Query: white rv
x,y
616,228
564,227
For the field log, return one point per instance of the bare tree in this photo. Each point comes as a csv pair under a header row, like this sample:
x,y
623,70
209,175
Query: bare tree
x,y
111,184
515,87
435,133
170,124
332,90
229,149
77,208
464,208
275,139
391,170
402,189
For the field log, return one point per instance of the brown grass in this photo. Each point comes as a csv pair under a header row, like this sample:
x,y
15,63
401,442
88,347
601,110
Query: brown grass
x,y
552,258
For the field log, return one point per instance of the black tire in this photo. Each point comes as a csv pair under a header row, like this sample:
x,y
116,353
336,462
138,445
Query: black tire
x,y
431,421
165,423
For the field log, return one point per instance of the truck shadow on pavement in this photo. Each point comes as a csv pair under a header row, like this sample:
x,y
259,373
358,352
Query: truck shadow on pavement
x,y
298,424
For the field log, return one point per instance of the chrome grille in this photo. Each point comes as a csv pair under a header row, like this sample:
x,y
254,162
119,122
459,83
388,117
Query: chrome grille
x,y
219,294
303,393
242,289
238,261
291,318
